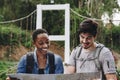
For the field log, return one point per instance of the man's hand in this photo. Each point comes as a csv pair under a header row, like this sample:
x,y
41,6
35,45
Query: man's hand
x,y
8,78
111,76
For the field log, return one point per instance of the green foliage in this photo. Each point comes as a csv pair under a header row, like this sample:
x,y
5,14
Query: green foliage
x,y
12,35
118,74
12,9
74,24
6,67
111,37
113,4
53,22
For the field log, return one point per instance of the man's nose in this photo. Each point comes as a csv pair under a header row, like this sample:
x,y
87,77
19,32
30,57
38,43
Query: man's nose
x,y
84,40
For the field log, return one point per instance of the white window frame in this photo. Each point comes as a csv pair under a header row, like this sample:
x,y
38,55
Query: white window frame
x,y
66,36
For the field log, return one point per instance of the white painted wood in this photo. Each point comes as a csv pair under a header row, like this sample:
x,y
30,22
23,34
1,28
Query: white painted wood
x,y
53,6
39,17
57,37
65,37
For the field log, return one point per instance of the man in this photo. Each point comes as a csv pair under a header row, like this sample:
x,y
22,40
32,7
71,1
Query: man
x,y
85,63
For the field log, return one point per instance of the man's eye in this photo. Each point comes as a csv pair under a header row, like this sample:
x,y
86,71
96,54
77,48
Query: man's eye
x,y
81,36
89,37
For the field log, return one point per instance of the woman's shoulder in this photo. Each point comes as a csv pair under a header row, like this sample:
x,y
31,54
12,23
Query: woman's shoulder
x,y
23,58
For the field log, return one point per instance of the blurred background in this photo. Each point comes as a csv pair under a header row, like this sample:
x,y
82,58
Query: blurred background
x,y
18,20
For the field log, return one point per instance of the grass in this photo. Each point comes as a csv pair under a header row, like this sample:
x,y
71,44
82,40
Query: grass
x,y
7,67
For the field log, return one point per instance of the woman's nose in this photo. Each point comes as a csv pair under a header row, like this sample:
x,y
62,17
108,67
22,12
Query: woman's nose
x,y
45,45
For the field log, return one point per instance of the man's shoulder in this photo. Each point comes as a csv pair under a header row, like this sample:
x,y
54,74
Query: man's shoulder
x,y
104,48
99,44
105,52
77,47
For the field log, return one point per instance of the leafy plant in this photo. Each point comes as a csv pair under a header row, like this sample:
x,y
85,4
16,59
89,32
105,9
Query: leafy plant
x,y
12,35
6,67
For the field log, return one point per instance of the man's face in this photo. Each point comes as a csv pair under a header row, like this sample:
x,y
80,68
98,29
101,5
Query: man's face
x,y
42,42
87,40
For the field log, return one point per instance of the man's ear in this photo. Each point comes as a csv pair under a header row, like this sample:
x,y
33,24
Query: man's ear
x,y
95,36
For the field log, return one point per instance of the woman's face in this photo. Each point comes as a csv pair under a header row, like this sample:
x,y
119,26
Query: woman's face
x,y
42,43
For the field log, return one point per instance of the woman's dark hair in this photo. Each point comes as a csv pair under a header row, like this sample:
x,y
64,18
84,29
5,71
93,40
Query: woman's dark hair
x,y
88,26
38,31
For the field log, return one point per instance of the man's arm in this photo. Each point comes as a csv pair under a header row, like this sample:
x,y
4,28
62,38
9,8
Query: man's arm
x,y
8,78
111,76
68,69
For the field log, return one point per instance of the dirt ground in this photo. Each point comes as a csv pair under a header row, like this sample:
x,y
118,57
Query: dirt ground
x,y
19,51
117,56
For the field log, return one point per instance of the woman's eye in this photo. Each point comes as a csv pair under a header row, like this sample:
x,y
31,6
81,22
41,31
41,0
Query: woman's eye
x,y
47,42
41,43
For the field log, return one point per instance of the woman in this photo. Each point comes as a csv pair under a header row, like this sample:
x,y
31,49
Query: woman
x,y
41,63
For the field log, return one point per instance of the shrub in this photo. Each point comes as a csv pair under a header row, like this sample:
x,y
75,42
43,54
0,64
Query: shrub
x,y
12,35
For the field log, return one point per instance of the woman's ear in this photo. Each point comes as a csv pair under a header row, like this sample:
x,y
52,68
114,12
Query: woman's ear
x,y
33,43
49,44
